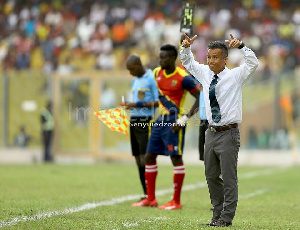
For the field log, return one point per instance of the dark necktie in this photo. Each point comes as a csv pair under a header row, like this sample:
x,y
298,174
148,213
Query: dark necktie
x,y
214,105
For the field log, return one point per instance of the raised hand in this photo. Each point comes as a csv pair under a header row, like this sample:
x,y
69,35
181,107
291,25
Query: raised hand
x,y
187,42
234,43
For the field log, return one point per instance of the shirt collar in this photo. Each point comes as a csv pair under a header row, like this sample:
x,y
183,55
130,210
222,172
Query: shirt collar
x,y
145,74
221,74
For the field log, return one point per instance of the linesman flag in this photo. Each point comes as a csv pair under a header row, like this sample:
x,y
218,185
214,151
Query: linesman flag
x,y
115,119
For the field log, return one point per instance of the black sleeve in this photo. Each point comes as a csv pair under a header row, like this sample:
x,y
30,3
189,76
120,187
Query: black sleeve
x,y
43,120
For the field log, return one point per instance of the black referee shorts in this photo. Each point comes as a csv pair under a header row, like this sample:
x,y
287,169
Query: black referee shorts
x,y
139,134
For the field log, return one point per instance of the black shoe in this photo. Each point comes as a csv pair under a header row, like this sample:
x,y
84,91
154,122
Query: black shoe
x,y
221,223
212,223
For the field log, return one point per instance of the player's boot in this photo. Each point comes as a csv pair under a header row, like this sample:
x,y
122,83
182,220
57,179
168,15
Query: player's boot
x,y
145,203
170,206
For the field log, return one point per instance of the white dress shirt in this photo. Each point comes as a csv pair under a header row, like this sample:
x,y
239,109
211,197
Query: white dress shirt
x,y
229,87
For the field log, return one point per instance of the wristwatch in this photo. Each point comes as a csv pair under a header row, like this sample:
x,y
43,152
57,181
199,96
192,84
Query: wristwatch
x,y
241,45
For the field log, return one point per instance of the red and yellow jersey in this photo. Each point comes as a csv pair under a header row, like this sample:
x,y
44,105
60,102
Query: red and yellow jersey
x,y
172,89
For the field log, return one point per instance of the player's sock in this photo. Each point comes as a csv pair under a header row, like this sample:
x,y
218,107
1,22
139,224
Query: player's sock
x,y
179,173
142,178
150,174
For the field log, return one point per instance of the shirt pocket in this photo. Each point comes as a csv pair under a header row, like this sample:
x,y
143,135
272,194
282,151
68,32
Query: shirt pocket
x,y
142,93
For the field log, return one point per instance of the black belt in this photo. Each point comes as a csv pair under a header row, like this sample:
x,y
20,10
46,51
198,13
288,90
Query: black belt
x,y
222,128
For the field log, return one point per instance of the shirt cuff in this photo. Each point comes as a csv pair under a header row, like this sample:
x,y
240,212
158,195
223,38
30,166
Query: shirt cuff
x,y
244,49
185,50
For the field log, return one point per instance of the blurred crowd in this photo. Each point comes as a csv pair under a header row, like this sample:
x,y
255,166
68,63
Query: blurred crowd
x,y
51,33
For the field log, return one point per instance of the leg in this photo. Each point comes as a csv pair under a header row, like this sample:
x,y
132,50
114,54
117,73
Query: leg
x,y
44,136
142,135
154,147
47,145
151,174
174,143
228,147
138,141
176,160
50,145
179,174
213,175
140,162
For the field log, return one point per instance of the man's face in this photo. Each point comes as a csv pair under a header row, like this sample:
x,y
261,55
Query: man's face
x,y
215,60
133,69
165,59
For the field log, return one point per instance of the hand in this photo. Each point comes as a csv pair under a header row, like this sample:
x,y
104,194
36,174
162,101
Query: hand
x,y
234,43
187,42
128,105
180,122
176,127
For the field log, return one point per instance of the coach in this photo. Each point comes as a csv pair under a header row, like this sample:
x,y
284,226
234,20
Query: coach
x,y
222,88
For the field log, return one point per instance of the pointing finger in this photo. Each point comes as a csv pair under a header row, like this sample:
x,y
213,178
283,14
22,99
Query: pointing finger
x,y
193,39
227,41
231,36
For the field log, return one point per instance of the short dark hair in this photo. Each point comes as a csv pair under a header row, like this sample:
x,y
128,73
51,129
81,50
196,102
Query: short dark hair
x,y
170,48
219,45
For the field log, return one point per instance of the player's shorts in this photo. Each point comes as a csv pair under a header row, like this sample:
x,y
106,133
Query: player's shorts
x,y
162,140
139,134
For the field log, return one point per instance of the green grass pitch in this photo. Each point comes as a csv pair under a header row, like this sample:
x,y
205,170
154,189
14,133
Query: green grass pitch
x,y
98,196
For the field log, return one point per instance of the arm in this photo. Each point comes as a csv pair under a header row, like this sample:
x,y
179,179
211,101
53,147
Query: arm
x,y
251,61
195,106
43,120
250,65
187,59
154,90
189,84
181,122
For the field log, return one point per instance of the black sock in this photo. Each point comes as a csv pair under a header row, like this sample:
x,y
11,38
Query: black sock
x,y
142,178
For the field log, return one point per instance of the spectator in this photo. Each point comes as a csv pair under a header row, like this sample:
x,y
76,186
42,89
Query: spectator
x,y
148,24
47,124
107,97
84,30
30,27
106,61
65,68
252,138
23,61
22,139
263,139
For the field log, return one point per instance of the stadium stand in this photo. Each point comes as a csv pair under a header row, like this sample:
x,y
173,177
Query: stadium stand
x,y
42,37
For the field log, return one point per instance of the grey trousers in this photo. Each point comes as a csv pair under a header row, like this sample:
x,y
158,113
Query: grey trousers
x,y
220,160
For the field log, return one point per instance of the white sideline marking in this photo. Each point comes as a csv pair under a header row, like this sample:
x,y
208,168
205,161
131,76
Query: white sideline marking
x,y
119,200
136,223
258,192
